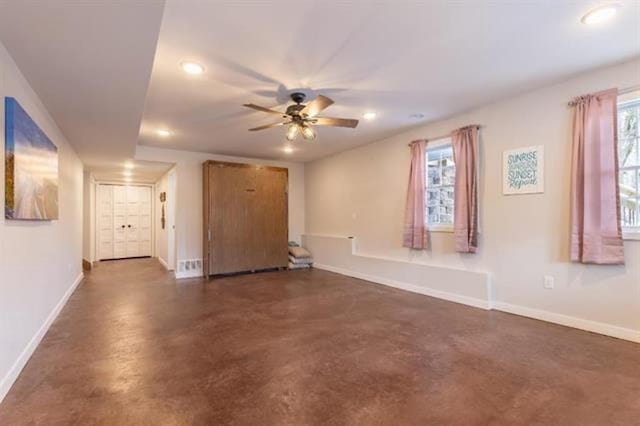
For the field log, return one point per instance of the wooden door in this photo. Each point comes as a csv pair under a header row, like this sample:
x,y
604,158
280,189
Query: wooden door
x,y
245,218
270,230
233,208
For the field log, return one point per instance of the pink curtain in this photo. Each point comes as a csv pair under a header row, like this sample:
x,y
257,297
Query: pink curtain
x,y
465,220
415,224
596,234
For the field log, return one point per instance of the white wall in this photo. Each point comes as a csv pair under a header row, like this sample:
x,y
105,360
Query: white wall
x,y
188,167
39,261
362,193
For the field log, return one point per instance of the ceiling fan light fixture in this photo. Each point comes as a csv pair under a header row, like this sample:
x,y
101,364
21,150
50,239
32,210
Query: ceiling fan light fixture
x,y
308,133
369,115
292,132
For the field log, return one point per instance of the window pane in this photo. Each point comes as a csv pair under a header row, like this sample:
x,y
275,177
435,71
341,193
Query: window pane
x,y
448,173
629,197
434,176
627,182
446,205
440,184
628,120
629,161
628,152
630,212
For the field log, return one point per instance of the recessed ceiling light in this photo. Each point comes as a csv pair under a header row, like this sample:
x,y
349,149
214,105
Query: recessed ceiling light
x,y
129,165
600,14
370,115
192,68
126,173
288,149
163,133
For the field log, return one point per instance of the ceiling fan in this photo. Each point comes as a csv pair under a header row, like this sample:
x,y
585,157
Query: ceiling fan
x,y
300,117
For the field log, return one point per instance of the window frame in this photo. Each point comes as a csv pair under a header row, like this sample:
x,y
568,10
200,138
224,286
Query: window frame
x,y
630,232
433,145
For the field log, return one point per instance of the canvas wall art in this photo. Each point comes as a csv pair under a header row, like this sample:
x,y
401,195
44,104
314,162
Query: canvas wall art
x,y
523,170
31,168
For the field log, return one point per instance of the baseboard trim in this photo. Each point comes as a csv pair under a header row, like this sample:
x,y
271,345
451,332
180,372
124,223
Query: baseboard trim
x,y
439,294
164,263
560,319
182,275
8,380
569,321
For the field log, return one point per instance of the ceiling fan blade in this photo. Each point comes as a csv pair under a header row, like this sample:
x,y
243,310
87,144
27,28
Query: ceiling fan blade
x,y
263,109
335,122
314,107
267,126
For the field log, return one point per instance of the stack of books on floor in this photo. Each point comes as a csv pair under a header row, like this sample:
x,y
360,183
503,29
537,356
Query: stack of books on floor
x,y
299,257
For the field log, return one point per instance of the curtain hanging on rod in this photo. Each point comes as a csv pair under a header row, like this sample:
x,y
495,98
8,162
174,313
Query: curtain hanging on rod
x,y
596,234
624,91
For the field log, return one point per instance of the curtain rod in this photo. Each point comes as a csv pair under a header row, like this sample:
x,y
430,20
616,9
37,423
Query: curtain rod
x,y
620,92
445,136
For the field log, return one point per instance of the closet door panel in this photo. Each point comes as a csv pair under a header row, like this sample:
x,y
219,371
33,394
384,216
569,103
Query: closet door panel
x,y
144,221
120,221
133,216
104,207
236,196
214,233
270,222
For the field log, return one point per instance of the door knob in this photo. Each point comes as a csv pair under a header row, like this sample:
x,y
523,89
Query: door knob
x,y
123,226
129,226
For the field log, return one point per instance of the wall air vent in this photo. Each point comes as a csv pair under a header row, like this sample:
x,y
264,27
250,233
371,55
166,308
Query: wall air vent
x,y
189,268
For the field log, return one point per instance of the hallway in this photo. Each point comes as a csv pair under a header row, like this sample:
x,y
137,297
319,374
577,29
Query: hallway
x,y
133,346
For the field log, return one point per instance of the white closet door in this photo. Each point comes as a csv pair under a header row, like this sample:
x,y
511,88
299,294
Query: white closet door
x,y
133,221
120,221
104,207
144,220
124,221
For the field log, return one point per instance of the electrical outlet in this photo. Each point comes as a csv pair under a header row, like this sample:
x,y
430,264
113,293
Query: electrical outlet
x,y
549,282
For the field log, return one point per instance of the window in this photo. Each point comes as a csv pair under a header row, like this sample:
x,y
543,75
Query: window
x,y
629,161
441,175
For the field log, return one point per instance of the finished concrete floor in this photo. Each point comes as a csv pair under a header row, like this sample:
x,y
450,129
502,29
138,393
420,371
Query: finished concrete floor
x,y
133,346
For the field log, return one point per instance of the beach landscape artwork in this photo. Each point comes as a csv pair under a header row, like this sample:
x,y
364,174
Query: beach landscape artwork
x,y
31,168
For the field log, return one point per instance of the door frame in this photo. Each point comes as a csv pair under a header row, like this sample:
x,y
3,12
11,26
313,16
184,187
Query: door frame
x,y
96,233
172,186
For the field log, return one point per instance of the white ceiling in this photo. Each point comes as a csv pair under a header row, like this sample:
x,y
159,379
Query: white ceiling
x,y
394,57
140,172
91,64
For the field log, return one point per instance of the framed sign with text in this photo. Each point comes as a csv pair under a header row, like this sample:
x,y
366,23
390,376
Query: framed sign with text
x,y
523,170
